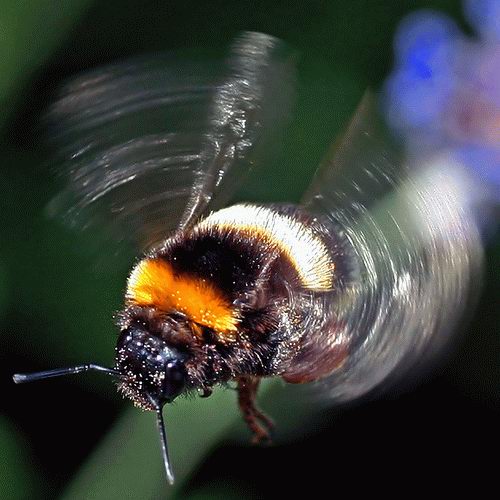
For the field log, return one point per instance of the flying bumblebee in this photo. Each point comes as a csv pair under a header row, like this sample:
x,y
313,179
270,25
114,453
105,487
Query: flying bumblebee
x,y
355,287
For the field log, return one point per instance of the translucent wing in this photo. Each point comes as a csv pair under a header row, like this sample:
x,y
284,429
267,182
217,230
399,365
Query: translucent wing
x,y
148,145
409,256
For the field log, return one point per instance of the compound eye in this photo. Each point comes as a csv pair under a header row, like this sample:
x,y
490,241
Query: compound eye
x,y
175,379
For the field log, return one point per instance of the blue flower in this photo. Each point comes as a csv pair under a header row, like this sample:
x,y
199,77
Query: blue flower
x,y
425,43
486,162
484,16
420,86
444,91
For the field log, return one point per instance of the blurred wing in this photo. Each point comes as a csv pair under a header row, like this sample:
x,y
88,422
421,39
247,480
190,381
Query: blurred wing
x,y
409,255
149,145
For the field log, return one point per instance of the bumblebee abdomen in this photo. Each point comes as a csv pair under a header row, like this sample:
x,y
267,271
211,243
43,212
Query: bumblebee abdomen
x,y
287,232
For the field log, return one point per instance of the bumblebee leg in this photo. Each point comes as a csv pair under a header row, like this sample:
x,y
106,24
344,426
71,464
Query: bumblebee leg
x,y
259,424
205,392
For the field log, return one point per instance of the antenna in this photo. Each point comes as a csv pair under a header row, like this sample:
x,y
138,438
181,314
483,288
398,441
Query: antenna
x,y
163,443
21,378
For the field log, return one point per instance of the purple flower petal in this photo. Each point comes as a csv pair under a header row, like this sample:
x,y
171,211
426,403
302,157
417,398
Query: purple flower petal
x,y
484,16
484,163
414,103
425,44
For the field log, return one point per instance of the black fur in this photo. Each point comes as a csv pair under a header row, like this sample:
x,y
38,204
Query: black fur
x,y
256,278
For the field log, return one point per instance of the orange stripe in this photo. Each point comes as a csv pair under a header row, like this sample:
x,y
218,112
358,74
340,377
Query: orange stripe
x,y
153,283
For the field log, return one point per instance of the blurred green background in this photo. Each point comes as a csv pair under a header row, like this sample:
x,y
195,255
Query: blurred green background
x,y
76,438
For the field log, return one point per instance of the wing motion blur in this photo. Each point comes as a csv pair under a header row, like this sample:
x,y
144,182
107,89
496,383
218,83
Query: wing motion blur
x,y
411,254
148,145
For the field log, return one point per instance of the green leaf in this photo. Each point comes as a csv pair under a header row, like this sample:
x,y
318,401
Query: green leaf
x,y
17,476
29,33
127,463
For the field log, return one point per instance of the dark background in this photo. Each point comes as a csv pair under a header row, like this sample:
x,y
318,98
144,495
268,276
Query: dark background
x,y
56,308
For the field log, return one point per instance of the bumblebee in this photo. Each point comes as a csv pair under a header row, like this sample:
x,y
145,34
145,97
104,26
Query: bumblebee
x,y
345,290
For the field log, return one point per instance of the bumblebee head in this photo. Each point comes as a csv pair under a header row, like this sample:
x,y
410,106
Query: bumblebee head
x,y
152,372
149,371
